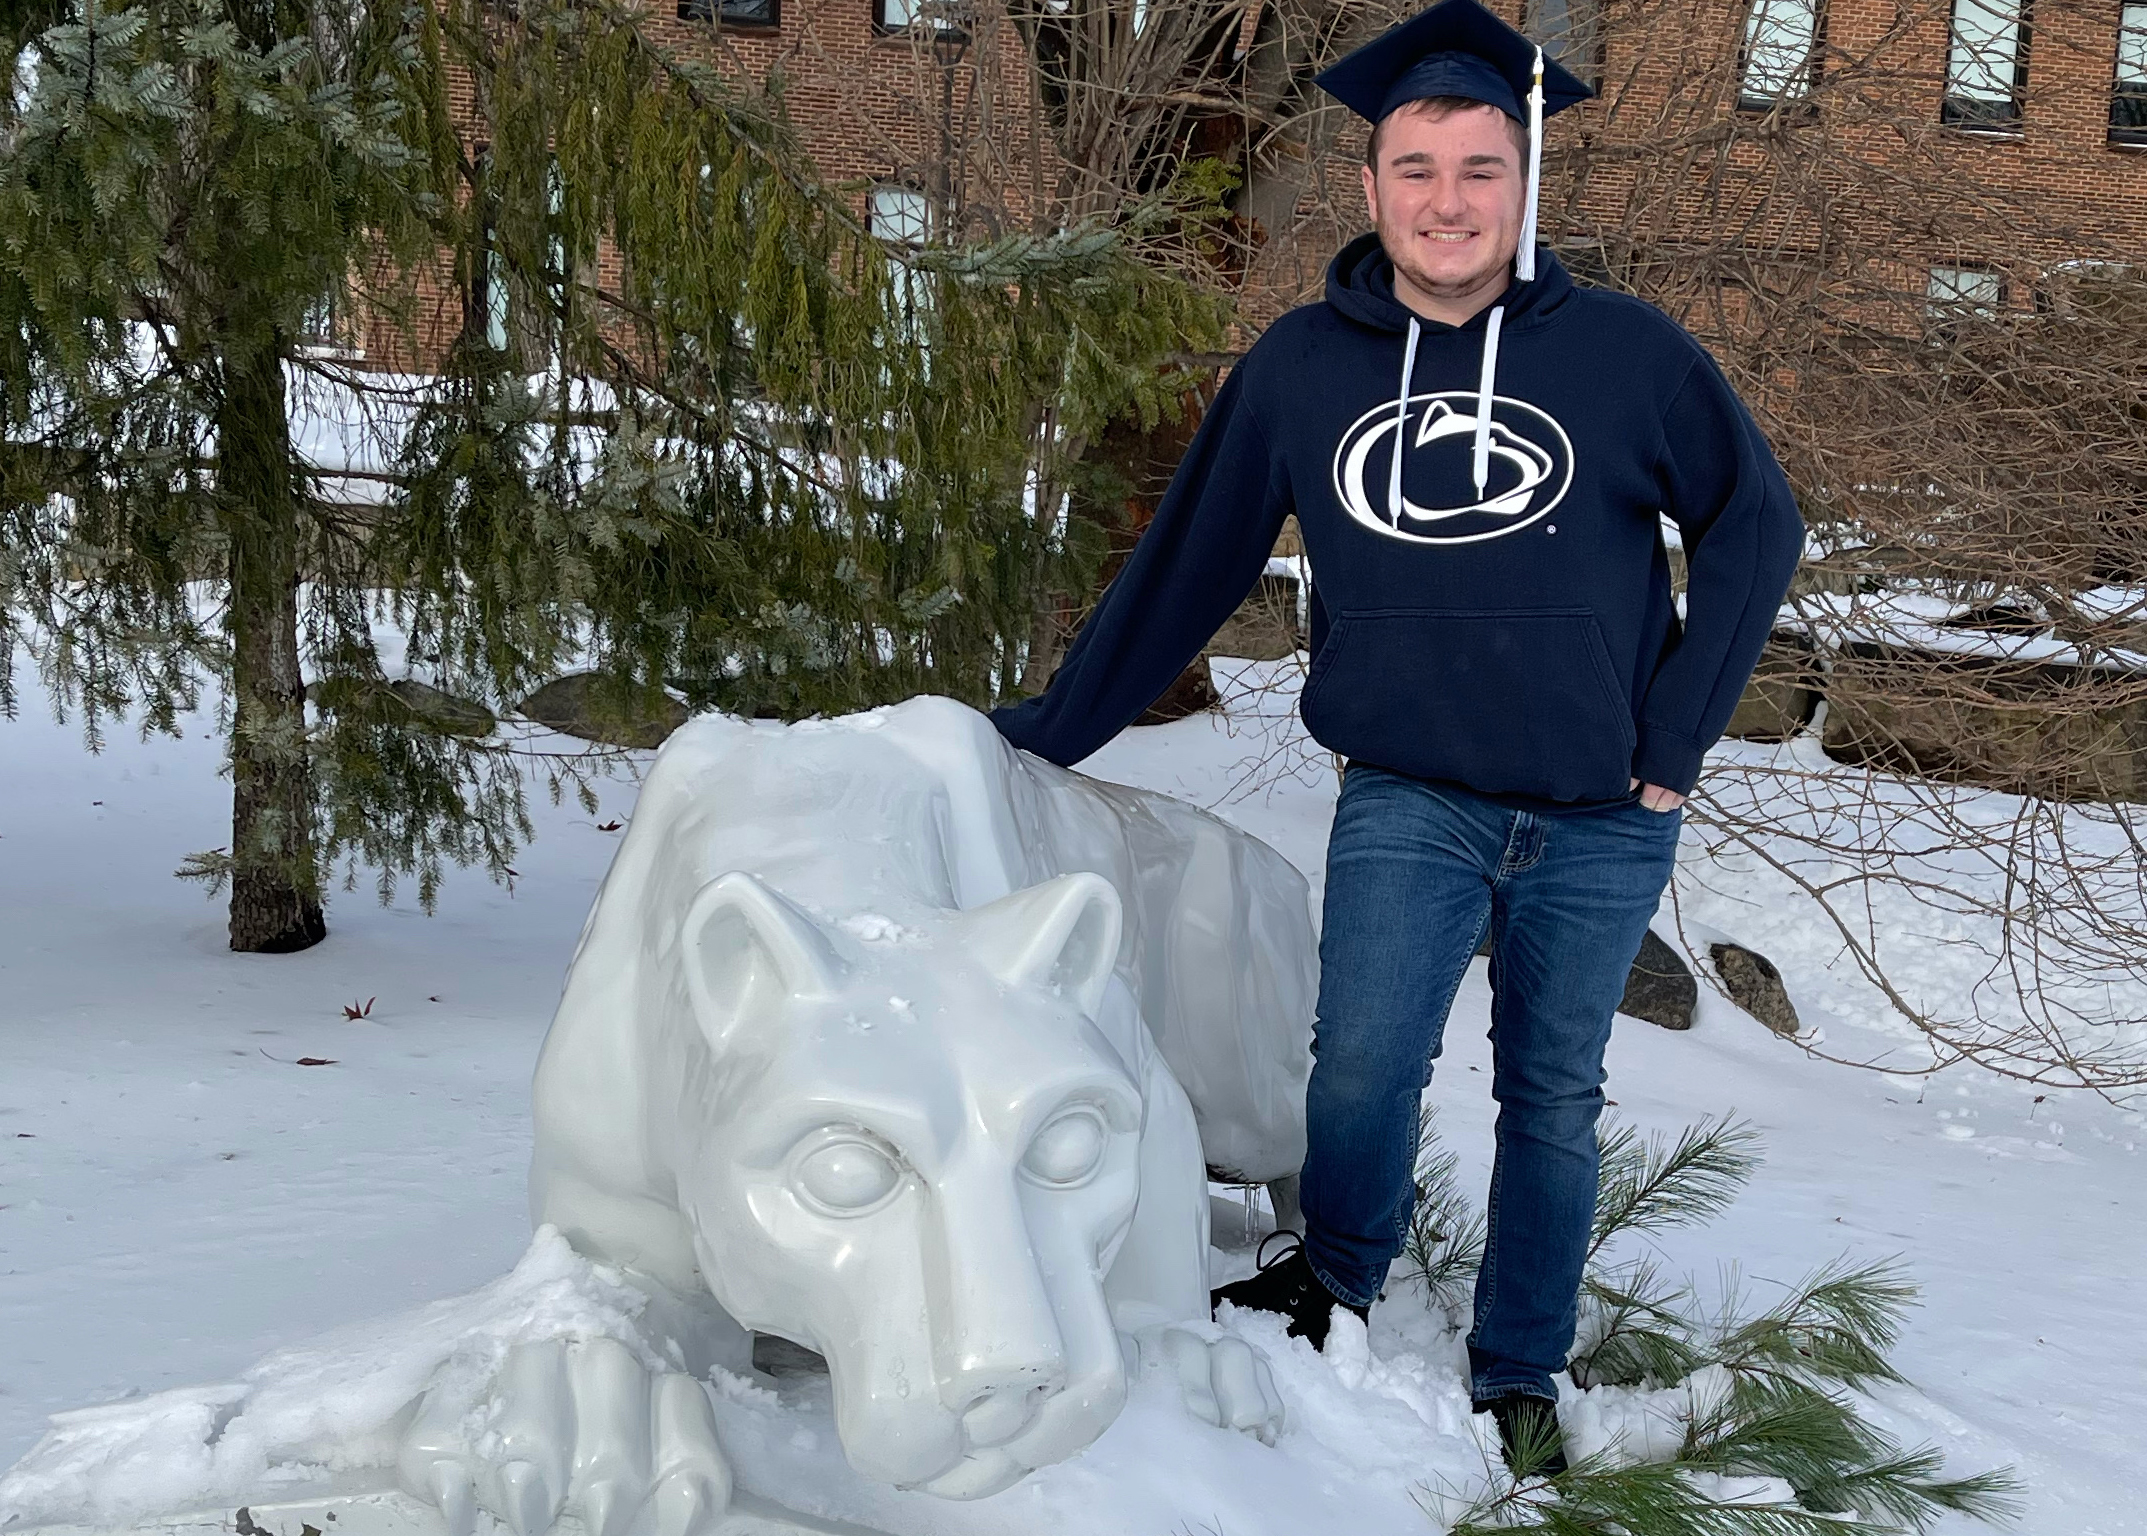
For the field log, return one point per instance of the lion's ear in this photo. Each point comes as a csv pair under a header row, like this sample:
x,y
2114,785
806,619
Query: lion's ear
x,y
1062,935
745,949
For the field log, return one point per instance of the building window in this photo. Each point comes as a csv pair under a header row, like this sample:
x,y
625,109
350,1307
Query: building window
x,y
486,309
1570,31
948,17
735,13
325,329
1987,64
2128,98
1781,53
1955,293
900,214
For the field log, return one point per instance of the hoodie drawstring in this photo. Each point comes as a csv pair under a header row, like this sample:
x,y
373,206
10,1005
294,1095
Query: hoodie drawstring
x,y
1486,393
1401,426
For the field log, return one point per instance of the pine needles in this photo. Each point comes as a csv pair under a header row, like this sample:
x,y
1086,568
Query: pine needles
x,y
1446,1235
1652,1186
1767,1438
675,413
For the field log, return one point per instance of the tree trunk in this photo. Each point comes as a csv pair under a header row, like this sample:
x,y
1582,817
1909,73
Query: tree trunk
x,y
1143,461
275,880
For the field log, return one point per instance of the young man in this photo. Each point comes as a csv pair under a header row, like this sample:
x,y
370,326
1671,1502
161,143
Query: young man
x,y
1479,454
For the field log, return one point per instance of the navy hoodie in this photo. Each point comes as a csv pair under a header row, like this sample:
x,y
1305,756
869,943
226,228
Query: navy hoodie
x,y
1519,639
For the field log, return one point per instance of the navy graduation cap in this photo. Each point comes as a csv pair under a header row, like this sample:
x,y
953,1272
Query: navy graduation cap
x,y
1455,48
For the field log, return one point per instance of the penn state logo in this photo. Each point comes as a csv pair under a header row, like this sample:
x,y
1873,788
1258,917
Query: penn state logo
x,y
1530,469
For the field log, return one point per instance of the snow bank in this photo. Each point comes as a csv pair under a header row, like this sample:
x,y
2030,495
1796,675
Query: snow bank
x,y
335,1405
1375,1435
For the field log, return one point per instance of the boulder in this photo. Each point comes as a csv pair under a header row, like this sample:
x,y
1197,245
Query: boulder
x,y
587,705
1783,694
2059,730
435,709
1193,692
1754,985
1660,987
1265,626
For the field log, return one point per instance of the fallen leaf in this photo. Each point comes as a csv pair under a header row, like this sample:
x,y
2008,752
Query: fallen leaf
x,y
353,1011
610,826
316,1061
24,1136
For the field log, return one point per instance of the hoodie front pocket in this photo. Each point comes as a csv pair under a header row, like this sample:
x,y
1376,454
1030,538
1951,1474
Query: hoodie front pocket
x,y
1503,702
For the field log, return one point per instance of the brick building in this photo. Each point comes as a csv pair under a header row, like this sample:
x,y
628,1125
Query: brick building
x,y
1969,146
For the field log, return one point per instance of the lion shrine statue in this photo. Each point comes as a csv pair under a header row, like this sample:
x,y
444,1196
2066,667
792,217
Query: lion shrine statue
x,y
889,1040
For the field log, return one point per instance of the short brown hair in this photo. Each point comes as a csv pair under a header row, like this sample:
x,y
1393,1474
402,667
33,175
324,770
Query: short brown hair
x,y
1436,107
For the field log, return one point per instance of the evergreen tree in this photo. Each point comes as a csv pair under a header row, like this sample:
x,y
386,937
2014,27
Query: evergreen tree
x,y
687,418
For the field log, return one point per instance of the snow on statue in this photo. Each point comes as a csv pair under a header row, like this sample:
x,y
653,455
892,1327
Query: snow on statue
x,y
892,1041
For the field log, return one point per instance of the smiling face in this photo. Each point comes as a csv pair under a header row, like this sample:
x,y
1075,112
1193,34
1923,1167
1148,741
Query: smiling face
x,y
922,1164
1446,196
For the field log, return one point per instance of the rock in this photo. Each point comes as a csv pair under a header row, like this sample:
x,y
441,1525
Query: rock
x,y
1755,986
1265,626
1193,692
435,709
581,704
421,706
1660,987
2054,729
1783,694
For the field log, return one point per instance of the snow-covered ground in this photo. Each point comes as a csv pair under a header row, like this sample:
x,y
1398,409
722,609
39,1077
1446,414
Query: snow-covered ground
x,y
178,1197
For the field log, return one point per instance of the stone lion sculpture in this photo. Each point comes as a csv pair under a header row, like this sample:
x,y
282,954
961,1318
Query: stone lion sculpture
x,y
915,1050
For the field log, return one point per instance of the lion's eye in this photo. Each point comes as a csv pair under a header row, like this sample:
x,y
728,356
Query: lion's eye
x,y
1067,1150
845,1177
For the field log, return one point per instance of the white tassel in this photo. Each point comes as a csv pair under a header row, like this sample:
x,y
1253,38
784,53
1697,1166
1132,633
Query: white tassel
x,y
1486,394
1525,263
1401,427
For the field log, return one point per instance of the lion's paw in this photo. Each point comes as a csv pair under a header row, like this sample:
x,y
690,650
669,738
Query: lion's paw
x,y
1225,1381
579,1427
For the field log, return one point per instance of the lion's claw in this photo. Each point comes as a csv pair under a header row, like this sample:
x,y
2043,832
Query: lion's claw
x,y
1226,1382
580,1428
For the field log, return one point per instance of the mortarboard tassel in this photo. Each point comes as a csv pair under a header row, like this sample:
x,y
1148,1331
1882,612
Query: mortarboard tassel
x,y
1525,262
1524,268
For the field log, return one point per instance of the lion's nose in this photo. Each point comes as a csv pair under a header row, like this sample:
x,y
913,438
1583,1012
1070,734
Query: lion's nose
x,y
998,1417
996,1346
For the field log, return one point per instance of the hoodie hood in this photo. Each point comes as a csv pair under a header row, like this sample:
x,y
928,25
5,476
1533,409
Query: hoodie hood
x,y
1360,285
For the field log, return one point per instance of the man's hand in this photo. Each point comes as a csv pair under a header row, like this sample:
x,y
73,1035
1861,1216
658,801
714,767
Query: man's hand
x,y
1656,798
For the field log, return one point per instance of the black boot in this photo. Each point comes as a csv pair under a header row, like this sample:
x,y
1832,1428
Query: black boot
x,y
1528,1434
1286,1284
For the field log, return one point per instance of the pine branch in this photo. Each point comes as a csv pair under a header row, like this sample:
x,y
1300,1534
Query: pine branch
x,y
1642,1335
1655,1186
1836,1326
1445,1243
1655,1500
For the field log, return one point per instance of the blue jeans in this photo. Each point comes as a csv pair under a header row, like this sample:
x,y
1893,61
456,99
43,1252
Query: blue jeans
x,y
1416,872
